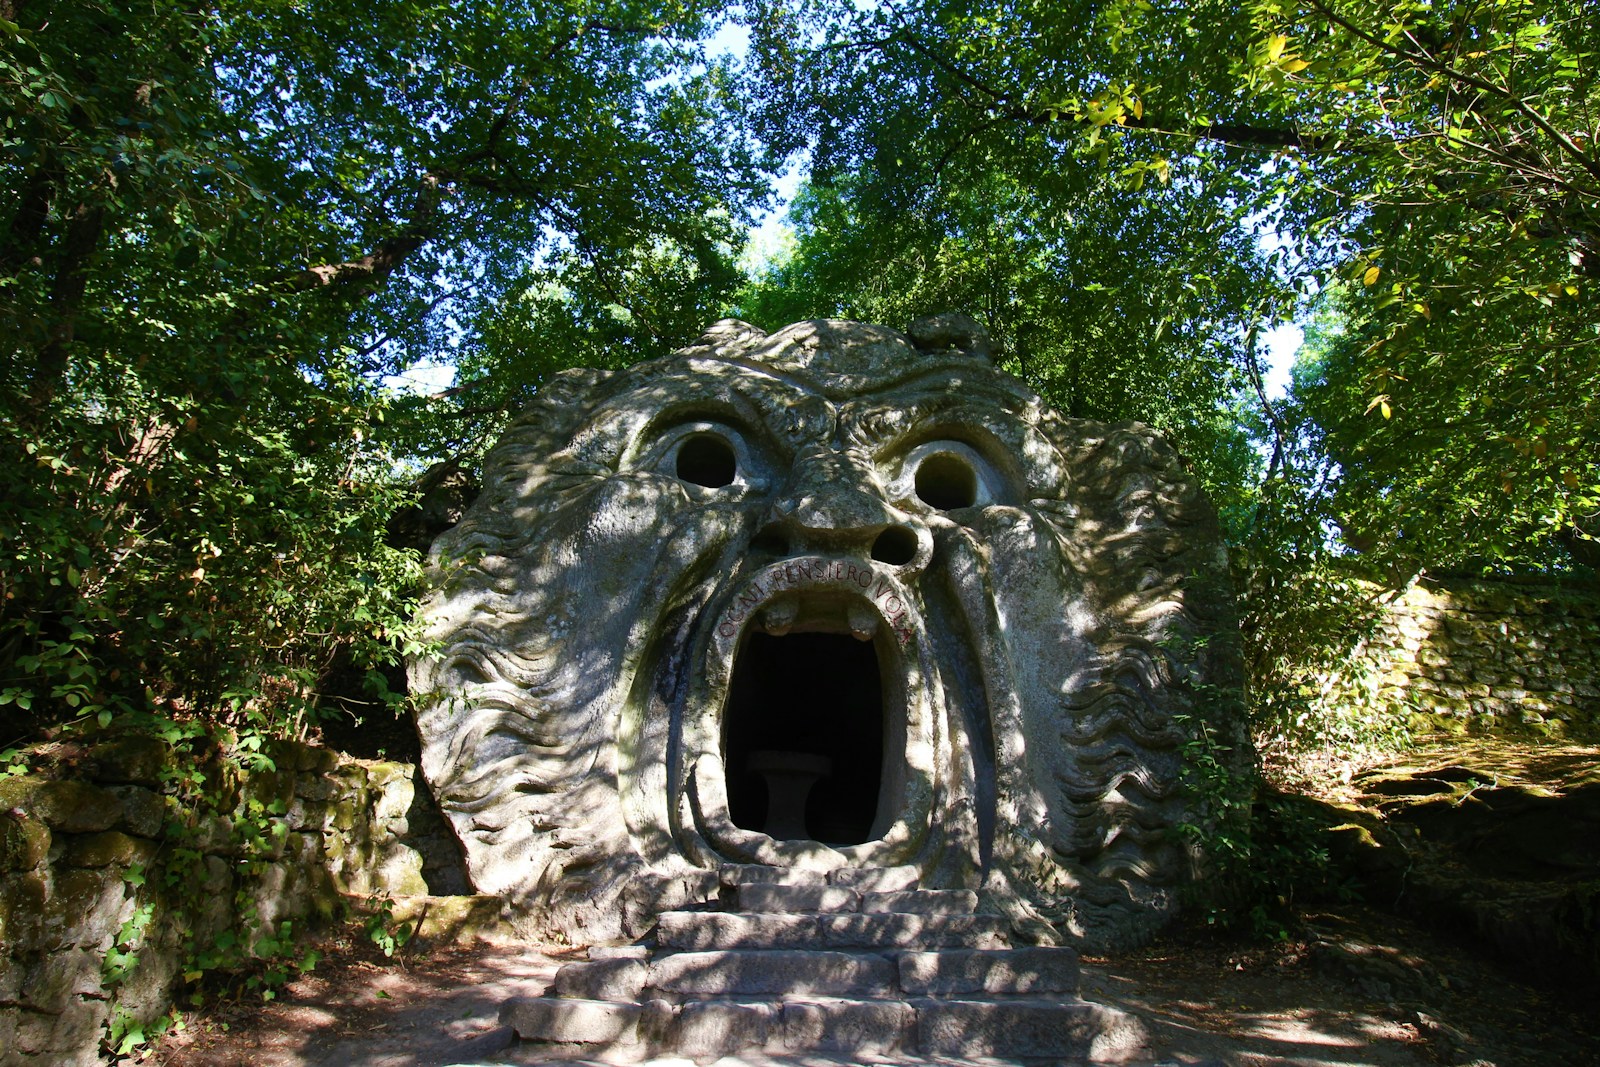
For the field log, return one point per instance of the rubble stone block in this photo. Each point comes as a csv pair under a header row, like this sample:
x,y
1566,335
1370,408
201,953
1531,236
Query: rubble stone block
x,y
880,1026
618,979
587,1022
711,1028
779,972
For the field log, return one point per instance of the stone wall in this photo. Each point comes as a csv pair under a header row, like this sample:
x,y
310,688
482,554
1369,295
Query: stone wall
x,y
103,869
1484,655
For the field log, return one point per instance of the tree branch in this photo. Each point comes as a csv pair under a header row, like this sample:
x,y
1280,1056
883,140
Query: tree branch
x,y
1428,62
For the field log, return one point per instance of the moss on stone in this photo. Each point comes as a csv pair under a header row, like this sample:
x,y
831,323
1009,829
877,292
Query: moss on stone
x,y
24,842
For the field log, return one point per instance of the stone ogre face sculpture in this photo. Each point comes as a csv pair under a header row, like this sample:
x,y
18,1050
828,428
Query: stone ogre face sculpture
x,y
829,597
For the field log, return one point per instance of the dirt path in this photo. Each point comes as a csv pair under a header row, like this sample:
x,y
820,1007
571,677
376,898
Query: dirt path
x,y
1362,989
1353,986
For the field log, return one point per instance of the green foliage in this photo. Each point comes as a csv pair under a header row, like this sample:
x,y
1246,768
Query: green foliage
x,y
1140,327
226,231
127,1034
381,928
223,229
1426,175
1286,864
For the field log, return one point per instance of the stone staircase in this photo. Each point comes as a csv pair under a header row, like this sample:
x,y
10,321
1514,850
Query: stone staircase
x,y
860,960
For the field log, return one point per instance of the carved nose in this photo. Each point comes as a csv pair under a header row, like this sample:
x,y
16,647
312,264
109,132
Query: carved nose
x,y
834,503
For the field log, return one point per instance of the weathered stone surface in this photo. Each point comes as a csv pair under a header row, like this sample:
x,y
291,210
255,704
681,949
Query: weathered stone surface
x,y
900,930
880,1026
66,848
736,874
1027,1028
69,1038
743,973
619,952
922,902
110,849
698,587
617,979
709,929
455,920
22,900
1482,654
85,908
131,760
143,810
655,1022
588,1022
24,841
876,879
66,807
1020,970
791,898
705,1030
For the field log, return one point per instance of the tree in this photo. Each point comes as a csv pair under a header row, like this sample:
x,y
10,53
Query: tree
x,y
220,230
1440,156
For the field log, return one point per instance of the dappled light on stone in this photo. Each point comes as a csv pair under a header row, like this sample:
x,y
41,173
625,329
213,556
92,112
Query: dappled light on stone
x,y
831,599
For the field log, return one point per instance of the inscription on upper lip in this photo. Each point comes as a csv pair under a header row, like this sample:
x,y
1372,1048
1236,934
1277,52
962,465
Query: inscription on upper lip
x,y
812,573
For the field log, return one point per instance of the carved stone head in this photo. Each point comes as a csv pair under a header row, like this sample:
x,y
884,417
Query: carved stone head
x,y
822,598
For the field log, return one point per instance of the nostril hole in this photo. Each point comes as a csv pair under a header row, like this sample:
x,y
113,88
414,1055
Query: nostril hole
x,y
707,460
895,546
946,481
770,540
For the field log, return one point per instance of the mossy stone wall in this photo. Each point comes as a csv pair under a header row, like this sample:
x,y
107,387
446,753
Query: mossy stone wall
x,y
104,864
1486,655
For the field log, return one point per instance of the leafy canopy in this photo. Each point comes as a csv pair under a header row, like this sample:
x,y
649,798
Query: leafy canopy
x,y
222,228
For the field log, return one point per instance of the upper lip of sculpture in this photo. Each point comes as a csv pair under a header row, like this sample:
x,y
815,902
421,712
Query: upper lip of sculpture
x,y
818,594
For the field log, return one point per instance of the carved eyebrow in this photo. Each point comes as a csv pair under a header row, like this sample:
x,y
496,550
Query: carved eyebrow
x,y
758,407
883,425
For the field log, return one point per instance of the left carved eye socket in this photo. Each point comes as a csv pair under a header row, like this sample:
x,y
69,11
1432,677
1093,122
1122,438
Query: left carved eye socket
x,y
706,454
706,459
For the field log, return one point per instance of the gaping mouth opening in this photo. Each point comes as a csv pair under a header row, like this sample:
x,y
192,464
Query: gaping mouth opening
x,y
805,728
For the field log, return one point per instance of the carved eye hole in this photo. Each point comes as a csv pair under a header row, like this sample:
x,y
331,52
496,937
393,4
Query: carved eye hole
x,y
707,459
946,481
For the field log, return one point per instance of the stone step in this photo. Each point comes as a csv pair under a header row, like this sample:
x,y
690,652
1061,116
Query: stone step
x,y
710,1029
861,879
571,1021
1068,1029
774,972
733,875
839,1025
701,930
922,902
604,979
875,879
955,972
774,897
619,952
706,1028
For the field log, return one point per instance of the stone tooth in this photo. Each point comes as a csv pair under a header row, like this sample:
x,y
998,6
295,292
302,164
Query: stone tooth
x,y
863,621
778,617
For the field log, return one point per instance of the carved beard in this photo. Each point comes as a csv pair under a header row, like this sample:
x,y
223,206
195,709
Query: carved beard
x,y
980,627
